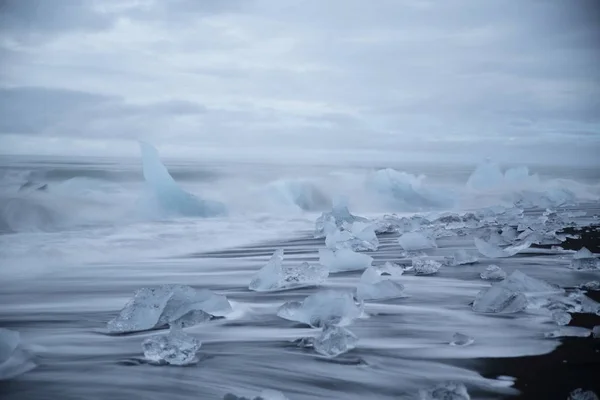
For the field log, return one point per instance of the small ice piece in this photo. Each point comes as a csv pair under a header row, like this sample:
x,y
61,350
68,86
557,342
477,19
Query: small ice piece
x,y
176,348
344,260
492,251
274,276
462,257
493,273
580,394
583,253
520,282
163,305
390,268
596,332
361,237
424,266
499,300
373,287
561,318
585,260
445,391
322,308
591,285
266,394
14,358
416,241
460,339
334,340
568,331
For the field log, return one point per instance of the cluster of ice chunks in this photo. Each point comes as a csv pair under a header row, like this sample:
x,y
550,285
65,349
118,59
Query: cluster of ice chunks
x,y
174,305
275,276
359,237
15,359
412,241
335,219
445,391
344,260
175,348
266,394
372,286
585,260
326,307
392,223
425,266
491,250
493,273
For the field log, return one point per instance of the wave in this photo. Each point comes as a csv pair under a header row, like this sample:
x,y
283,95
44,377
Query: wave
x,y
303,194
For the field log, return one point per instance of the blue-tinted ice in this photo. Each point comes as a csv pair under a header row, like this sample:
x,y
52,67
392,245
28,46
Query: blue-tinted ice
x,y
326,307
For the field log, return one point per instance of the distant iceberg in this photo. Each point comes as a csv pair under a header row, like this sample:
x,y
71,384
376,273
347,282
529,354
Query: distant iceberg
x,y
166,196
274,276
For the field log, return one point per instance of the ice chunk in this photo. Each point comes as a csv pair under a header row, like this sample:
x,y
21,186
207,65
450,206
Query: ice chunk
x,y
498,299
445,391
361,238
596,332
344,260
462,257
424,266
580,394
493,273
460,339
159,306
585,260
561,317
274,276
583,253
492,251
335,219
390,268
416,241
266,394
520,282
568,331
373,287
591,285
176,348
334,340
167,196
14,358
322,308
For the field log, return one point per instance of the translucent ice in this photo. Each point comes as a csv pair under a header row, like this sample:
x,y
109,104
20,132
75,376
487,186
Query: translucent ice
x,y
493,273
334,340
275,276
583,253
416,241
266,394
596,332
168,305
492,251
167,196
373,286
462,257
445,391
335,219
497,299
176,348
580,394
561,317
585,260
322,308
14,358
520,282
460,339
344,260
361,237
425,266
591,285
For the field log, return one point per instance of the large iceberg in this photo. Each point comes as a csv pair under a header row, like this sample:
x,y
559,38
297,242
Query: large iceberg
x,y
323,308
490,250
373,286
336,218
275,276
14,358
344,260
172,305
412,241
360,237
167,198
334,340
176,348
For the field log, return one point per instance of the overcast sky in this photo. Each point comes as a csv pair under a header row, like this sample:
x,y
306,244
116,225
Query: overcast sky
x,y
412,76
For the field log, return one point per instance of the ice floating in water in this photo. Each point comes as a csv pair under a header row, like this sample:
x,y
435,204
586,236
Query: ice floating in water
x,y
580,394
361,237
424,266
492,251
561,317
462,257
585,260
176,348
344,260
322,308
14,359
274,276
167,196
266,394
493,273
445,391
336,218
159,306
373,287
416,241
460,339
334,340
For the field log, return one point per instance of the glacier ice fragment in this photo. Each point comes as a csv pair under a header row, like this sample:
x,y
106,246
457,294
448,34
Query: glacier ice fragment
x,y
361,237
462,257
460,339
373,286
493,273
580,394
497,299
416,241
591,285
424,266
561,317
568,331
336,218
492,251
175,348
585,260
334,340
275,276
344,260
445,391
322,308
267,394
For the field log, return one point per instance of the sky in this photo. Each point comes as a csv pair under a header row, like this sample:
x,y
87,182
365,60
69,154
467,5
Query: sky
x,y
419,79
